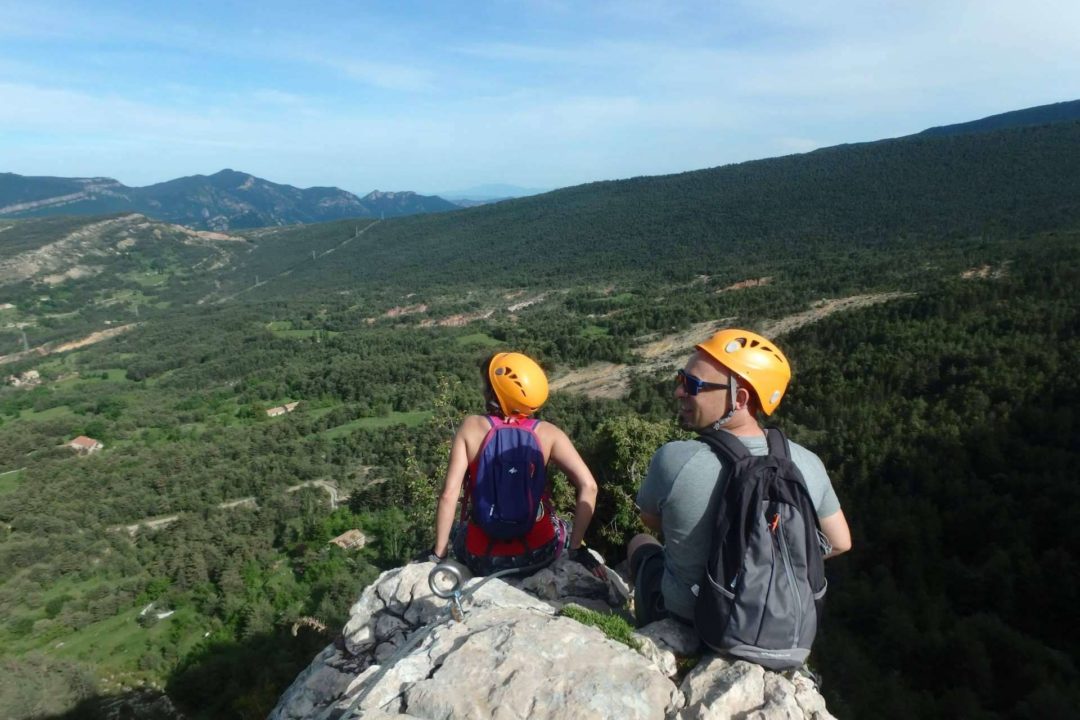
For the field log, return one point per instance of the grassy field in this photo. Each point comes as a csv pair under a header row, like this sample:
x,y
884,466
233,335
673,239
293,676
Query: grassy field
x,y
284,329
10,480
48,414
147,279
115,646
123,297
617,299
480,339
48,636
319,412
410,419
111,375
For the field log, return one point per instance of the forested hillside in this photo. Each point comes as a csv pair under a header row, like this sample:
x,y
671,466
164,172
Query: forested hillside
x,y
191,554
911,192
1042,115
62,279
950,424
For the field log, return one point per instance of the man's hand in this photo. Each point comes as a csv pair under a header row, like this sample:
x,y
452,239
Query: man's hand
x,y
589,561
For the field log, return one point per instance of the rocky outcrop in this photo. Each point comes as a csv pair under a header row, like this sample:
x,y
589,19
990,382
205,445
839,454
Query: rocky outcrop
x,y
512,655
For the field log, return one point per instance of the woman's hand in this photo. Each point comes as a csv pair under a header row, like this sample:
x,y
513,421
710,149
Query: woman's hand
x,y
589,561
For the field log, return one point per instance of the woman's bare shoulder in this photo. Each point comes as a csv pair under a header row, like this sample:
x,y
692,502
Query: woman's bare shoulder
x,y
550,434
544,428
473,423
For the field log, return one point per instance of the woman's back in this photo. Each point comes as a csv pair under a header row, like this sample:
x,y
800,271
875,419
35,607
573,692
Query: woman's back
x,y
516,386
475,428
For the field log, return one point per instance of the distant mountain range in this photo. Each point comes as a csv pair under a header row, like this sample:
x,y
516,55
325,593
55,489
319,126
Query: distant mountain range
x,y
226,200
492,192
231,200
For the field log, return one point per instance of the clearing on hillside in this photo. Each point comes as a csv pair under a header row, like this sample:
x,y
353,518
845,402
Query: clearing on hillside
x,y
611,380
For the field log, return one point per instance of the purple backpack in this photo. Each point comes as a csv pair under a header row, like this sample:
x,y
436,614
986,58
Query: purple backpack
x,y
508,480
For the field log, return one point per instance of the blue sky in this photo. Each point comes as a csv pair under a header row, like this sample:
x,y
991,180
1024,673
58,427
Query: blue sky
x,y
439,96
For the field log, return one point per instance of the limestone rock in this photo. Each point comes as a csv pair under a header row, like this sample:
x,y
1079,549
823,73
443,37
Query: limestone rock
x,y
718,685
809,699
402,655
527,666
723,688
662,660
665,641
673,636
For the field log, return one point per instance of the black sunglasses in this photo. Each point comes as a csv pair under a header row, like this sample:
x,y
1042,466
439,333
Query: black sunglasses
x,y
693,385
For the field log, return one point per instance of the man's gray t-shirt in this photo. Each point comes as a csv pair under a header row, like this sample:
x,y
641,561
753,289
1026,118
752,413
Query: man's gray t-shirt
x,y
681,488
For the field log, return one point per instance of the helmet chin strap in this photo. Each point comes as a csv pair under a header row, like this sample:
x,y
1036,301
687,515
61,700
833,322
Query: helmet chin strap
x,y
733,388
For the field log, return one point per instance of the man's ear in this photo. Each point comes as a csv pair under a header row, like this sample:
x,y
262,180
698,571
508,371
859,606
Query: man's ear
x,y
743,398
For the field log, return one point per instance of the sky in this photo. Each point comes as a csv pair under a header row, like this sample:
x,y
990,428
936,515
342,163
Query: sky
x,y
443,96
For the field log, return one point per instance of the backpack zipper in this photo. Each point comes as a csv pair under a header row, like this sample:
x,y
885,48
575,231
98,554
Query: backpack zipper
x,y
785,555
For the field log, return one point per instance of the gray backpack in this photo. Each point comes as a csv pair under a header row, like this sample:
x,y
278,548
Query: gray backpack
x,y
765,579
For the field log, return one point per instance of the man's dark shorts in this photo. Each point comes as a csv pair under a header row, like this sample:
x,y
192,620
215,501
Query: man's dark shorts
x,y
647,566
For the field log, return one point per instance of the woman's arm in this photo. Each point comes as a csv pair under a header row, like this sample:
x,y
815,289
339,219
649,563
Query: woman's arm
x,y
448,499
566,458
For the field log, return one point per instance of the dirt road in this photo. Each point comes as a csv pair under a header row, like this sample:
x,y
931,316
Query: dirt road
x,y
609,380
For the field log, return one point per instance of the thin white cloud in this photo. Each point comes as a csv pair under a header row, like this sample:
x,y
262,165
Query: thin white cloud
x,y
615,89
388,76
271,96
526,53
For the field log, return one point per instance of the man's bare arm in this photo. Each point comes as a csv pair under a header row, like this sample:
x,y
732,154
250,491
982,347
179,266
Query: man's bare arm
x,y
838,533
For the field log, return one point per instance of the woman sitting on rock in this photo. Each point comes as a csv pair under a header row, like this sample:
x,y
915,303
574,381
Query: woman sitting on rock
x,y
507,521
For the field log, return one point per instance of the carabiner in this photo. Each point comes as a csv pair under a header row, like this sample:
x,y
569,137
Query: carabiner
x,y
455,577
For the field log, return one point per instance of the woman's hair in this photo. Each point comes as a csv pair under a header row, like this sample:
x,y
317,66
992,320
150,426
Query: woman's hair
x,y
490,401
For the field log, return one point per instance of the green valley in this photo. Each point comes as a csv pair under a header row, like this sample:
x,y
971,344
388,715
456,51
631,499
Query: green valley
x,y
924,289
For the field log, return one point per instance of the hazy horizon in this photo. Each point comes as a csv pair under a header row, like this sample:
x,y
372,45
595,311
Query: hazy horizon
x,y
428,98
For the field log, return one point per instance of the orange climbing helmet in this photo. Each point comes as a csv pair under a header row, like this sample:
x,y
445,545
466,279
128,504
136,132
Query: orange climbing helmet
x,y
519,384
755,360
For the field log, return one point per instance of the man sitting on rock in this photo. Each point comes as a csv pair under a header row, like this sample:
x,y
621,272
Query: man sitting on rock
x,y
727,380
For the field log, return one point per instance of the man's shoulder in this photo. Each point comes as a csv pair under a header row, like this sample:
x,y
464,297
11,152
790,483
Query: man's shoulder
x,y
682,448
812,468
675,467
804,456
673,456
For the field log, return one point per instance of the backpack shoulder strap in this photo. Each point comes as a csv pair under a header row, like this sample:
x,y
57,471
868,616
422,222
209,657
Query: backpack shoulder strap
x,y
470,471
725,445
778,443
